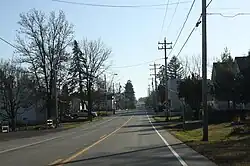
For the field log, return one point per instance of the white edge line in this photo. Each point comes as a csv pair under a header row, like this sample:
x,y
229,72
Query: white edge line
x,y
183,163
49,139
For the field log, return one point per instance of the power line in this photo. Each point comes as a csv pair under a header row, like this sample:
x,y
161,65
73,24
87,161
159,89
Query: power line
x,y
173,15
186,41
183,26
5,41
230,16
196,26
140,64
190,34
166,11
209,3
116,6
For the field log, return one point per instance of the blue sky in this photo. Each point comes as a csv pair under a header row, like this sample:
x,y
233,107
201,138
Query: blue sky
x,y
133,33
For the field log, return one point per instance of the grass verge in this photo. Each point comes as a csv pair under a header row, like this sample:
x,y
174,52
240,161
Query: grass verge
x,y
163,119
31,132
70,125
223,148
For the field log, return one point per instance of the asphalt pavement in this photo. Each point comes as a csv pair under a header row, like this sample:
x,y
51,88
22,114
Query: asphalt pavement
x,y
129,138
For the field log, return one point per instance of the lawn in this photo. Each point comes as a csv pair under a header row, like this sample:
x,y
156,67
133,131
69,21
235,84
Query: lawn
x,y
33,130
223,148
70,125
163,119
104,113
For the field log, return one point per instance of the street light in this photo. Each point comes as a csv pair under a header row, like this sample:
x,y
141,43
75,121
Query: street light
x,y
114,103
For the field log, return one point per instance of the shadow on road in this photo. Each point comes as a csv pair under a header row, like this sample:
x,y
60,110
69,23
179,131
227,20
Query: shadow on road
x,y
136,113
144,156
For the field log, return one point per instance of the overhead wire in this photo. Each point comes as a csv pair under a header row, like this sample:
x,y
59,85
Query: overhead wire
x,y
116,6
128,66
186,41
172,18
230,16
12,45
190,34
5,41
209,3
140,64
165,15
176,40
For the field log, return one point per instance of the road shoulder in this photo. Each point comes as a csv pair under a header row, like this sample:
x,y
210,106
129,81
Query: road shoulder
x,y
190,156
14,144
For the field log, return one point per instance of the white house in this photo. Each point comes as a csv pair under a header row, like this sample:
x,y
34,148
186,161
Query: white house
x,y
175,103
140,104
31,115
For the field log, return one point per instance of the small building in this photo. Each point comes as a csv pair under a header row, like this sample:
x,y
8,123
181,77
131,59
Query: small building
x,y
173,97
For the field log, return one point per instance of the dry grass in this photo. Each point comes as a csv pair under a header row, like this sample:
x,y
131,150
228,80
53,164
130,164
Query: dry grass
x,y
222,148
70,125
163,119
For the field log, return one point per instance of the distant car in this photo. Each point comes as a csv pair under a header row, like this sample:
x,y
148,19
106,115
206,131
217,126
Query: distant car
x,y
85,113
94,114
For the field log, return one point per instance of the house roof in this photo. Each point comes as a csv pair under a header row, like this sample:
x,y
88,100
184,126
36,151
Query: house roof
x,y
243,63
217,65
218,68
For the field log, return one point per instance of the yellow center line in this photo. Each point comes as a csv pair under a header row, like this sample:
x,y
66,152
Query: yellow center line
x,y
103,136
56,162
97,142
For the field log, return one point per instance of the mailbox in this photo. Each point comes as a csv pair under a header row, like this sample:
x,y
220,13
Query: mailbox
x,y
50,123
5,126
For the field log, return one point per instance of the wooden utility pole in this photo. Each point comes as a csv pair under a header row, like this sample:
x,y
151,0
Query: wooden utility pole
x,y
89,93
106,97
148,89
114,98
164,47
55,96
151,92
204,70
153,96
155,80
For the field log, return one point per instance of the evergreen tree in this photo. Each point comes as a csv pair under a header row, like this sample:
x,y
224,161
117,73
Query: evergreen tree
x,y
175,69
129,95
224,82
77,70
226,56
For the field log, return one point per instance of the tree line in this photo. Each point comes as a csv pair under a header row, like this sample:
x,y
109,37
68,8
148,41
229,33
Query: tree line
x,y
48,59
229,82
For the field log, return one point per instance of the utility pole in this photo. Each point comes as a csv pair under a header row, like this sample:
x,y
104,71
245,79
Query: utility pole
x,y
120,97
151,92
164,47
155,80
153,96
89,93
55,96
106,99
204,70
148,90
114,97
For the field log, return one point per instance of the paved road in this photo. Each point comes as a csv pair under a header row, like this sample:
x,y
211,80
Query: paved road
x,y
130,138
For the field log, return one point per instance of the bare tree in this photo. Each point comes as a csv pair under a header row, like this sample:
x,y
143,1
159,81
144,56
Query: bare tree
x,y
195,66
186,68
42,43
96,55
15,91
